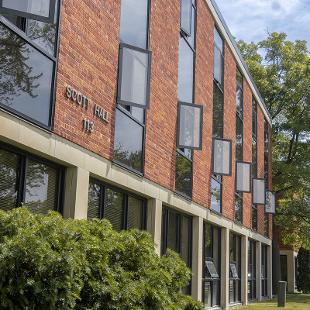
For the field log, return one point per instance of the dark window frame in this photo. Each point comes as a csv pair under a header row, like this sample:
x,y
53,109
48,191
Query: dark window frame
x,y
24,158
126,194
215,85
54,58
258,204
230,156
44,19
250,183
196,106
219,84
122,46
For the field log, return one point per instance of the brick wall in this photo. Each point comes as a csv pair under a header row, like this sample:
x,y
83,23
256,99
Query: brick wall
x,y
88,61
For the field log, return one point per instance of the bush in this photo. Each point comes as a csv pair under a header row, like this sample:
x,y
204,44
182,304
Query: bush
x,y
303,271
47,262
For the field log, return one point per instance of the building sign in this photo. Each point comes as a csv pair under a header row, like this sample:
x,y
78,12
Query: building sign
x,y
84,102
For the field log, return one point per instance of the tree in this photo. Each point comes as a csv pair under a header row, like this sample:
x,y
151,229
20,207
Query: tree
x,y
281,70
303,271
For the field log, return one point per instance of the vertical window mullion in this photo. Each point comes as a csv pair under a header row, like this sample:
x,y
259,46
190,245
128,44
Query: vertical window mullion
x,y
125,212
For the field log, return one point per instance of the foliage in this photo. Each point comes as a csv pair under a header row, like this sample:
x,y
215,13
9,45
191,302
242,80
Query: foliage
x,y
303,271
47,262
281,70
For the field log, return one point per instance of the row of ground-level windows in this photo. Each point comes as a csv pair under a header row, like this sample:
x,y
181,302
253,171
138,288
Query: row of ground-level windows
x,y
36,184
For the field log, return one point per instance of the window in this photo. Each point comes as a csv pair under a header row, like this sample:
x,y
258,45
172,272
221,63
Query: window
x,y
123,210
134,76
266,151
218,58
218,112
189,135
186,15
189,126
128,150
133,85
283,266
28,59
259,191
252,270
211,266
243,177
270,206
134,22
29,181
266,224
264,271
222,156
254,217
234,268
177,235
216,193
42,10
238,207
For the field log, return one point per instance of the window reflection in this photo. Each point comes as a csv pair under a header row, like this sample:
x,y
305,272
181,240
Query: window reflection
x,y
215,195
183,182
26,77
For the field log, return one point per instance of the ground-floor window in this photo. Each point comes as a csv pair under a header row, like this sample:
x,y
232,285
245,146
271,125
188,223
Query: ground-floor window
x,y
29,181
264,271
283,266
177,236
252,270
234,268
211,287
122,209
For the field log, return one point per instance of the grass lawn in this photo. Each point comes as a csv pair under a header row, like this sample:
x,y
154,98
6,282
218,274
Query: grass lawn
x,y
293,302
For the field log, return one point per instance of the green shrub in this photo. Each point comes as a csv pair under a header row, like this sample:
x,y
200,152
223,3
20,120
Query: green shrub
x,y
47,262
303,271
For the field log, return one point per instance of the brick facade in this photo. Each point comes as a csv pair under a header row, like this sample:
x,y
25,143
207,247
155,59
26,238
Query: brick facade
x,y
88,61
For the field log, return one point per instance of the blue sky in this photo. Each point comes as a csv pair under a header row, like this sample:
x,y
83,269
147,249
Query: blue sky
x,y
251,19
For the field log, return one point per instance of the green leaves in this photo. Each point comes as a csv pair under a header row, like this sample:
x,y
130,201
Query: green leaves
x,y
47,262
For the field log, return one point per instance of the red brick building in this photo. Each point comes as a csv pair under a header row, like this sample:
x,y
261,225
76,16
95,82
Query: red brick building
x,y
140,112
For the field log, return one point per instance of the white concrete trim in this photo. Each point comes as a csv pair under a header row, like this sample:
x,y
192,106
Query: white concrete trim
x,y
50,146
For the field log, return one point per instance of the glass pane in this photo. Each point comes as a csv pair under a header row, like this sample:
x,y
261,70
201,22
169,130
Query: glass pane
x,y
172,233
258,191
218,41
238,208
243,177
134,77
218,112
127,150
254,158
254,118
9,163
208,241
183,179
113,208
135,215
215,195
26,79
186,14
36,7
191,39
207,294
190,123
185,239
186,72
218,66
239,139
93,201
239,101
254,218
221,157
41,187
134,22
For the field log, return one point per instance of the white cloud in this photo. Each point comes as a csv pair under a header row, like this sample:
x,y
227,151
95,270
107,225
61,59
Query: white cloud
x,y
251,19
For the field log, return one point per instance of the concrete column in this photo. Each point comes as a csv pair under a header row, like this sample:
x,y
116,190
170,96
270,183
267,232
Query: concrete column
x,y
244,269
76,193
258,271
197,258
154,221
225,269
269,268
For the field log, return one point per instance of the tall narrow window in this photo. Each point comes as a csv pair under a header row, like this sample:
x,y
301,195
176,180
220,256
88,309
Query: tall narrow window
x,y
254,158
122,209
211,266
234,268
28,31
133,85
218,115
252,270
29,181
266,172
177,235
239,142
184,154
264,270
